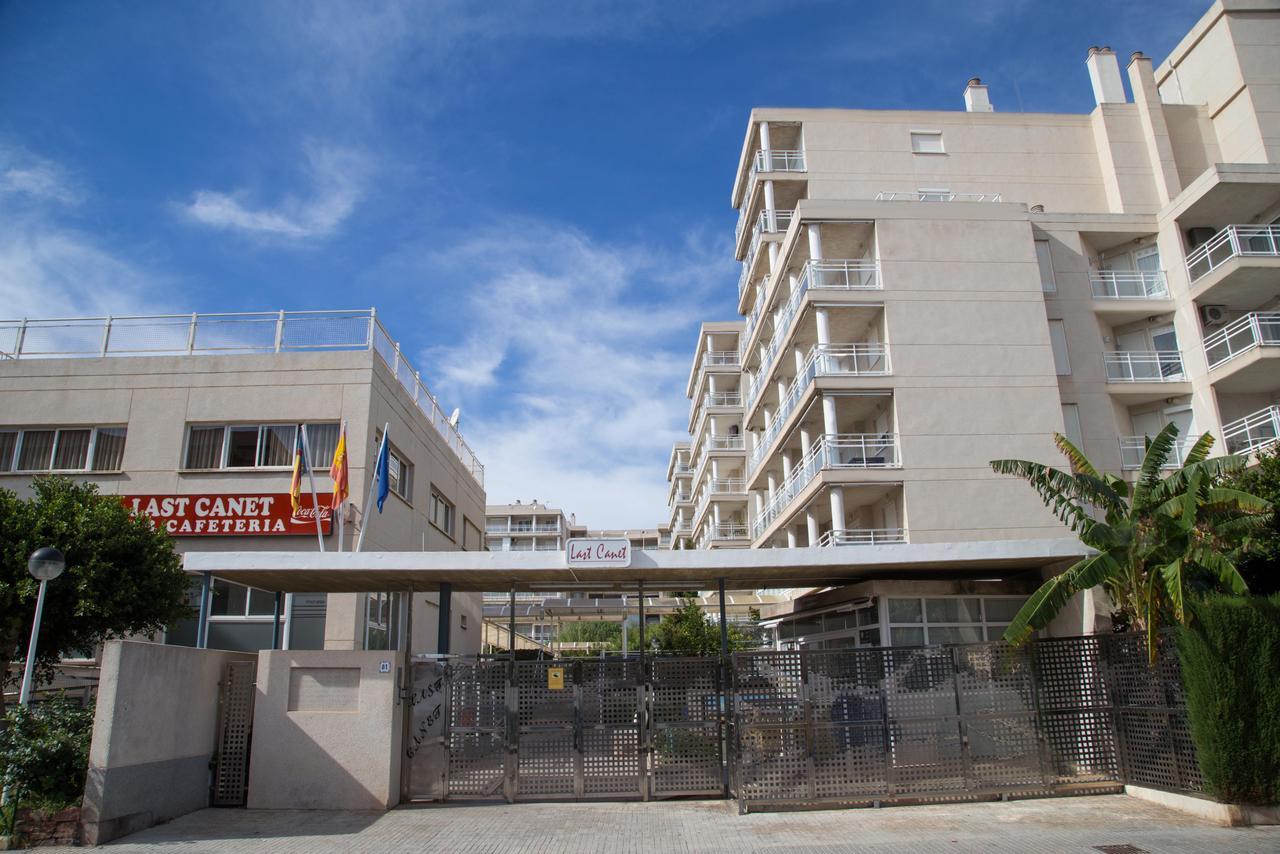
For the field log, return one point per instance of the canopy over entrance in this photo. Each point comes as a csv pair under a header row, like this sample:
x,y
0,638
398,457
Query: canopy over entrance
x,y
357,572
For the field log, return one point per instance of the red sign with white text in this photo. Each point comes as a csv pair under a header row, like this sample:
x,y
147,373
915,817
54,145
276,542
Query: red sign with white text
x,y
253,514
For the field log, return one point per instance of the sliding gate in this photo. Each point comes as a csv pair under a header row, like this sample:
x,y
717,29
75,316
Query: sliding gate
x,y
576,729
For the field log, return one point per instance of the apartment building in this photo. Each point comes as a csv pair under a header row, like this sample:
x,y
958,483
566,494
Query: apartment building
x,y
521,527
926,291
192,419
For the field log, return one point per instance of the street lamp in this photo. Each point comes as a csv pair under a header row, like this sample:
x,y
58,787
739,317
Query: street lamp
x,y
44,565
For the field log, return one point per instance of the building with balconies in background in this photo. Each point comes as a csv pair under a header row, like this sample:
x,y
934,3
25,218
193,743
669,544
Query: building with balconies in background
x,y
926,291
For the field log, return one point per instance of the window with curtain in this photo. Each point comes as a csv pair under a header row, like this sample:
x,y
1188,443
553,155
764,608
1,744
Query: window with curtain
x,y
108,449
8,445
211,446
71,452
277,444
322,440
204,447
61,449
35,452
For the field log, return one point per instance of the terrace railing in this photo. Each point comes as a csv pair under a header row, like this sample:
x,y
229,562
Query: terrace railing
x,y
1122,285
1144,366
1234,241
863,537
934,196
1253,330
1253,432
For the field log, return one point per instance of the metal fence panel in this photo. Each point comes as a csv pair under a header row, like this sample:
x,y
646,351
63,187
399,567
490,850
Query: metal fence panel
x,y
235,730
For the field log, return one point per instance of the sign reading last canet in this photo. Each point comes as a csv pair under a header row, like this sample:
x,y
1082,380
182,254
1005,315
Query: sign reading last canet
x,y
591,552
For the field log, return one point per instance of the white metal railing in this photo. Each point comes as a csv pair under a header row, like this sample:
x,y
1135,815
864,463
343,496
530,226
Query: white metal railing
x,y
1253,330
822,360
1133,449
843,275
744,338
726,485
777,160
744,278
720,358
682,528
830,451
682,497
547,527
1234,241
1144,366
727,442
863,537
723,398
768,222
728,531
221,334
934,196
1122,284
546,547
1253,432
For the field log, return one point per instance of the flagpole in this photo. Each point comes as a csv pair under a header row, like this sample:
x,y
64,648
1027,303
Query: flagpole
x,y
368,501
342,504
311,475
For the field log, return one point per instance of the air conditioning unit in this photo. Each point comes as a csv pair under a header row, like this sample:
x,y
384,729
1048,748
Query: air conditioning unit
x,y
1213,314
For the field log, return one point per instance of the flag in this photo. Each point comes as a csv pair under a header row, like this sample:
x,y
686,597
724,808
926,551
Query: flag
x,y
338,471
299,461
380,468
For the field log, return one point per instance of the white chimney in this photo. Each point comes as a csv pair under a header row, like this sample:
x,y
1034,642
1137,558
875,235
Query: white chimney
x,y
976,99
1104,74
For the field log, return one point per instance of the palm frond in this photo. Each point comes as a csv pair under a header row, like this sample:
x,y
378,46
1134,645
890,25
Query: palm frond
x,y
1200,450
1221,567
1079,462
1175,587
1043,605
1158,450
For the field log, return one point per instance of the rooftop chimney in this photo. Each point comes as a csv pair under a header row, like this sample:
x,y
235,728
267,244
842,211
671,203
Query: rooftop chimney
x,y
976,99
1104,74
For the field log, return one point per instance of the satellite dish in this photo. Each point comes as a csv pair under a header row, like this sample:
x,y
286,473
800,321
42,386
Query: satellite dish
x,y
453,419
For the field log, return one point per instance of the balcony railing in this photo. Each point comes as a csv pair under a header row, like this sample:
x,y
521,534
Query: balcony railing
x,y
1253,330
728,442
934,196
1133,449
768,222
1253,432
1137,284
1144,366
830,451
232,334
682,497
849,360
682,468
820,275
720,358
1234,241
726,486
863,537
547,547
778,160
728,532
722,398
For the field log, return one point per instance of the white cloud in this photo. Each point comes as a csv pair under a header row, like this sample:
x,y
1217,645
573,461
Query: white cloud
x,y
338,177
577,365
35,178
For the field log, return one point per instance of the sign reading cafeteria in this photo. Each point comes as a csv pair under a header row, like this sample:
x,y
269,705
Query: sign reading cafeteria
x,y
588,552
250,514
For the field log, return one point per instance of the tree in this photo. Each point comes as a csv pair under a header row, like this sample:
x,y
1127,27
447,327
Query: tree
x,y
122,577
690,631
1156,539
1260,566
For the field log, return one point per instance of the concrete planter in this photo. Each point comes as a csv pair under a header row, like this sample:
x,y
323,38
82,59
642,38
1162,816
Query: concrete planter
x,y
1227,815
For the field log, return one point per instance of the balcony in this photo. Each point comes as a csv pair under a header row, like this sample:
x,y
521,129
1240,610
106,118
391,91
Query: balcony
x,y
934,196
1253,432
823,360
727,486
832,451
1237,266
547,547
767,222
1241,353
1133,449
842,275
863,537
728,532
1144,366
720,359
777,160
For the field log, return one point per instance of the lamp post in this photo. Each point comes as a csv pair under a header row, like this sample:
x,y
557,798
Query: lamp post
x,y
44,565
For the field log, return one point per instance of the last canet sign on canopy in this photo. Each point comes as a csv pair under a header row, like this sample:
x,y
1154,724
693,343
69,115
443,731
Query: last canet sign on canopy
x,y
602,552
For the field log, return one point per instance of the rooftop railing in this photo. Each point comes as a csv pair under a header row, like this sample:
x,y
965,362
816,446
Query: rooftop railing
x,y
1234,241
1144,366
1253,330
934,196
1122,285
244,333
1133,449
1253,432
863,537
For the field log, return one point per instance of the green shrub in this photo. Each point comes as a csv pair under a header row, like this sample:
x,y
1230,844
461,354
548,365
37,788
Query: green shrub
x,y
44,753
1231,669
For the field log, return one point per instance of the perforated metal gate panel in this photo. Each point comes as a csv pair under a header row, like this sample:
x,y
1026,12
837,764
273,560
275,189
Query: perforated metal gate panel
x,y
477,728
235,731
685,727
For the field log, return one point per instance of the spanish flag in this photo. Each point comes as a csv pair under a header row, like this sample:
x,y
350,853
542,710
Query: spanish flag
x,y
299,461
338,471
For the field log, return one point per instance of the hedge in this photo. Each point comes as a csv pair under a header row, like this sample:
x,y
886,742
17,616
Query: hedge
x,y
1231,671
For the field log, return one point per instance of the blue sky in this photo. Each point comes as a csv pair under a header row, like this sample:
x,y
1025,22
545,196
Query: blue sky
x,y
533,194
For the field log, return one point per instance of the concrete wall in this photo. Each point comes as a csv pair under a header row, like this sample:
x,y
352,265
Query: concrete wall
x,y
154,732
326,731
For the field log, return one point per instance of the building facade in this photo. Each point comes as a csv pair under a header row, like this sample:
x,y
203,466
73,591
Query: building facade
x,y
193,420
927,291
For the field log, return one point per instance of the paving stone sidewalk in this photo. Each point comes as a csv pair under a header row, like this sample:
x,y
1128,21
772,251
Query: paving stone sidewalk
x,y
1019,827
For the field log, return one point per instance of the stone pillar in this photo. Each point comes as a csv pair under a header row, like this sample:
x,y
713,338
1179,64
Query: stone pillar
x,y
829,415
811,526
837,508
764,136
815,242
773,487
791,536
822,320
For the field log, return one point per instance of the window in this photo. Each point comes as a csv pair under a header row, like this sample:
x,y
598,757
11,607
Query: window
x,y
471,540
950,619
382,611
927,142
246,446
236,600
1058,340
1071,424
62,449
440,513
1047,284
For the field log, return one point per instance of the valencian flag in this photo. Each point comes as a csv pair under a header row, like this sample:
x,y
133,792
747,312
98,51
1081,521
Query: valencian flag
x,y
338,471
299,461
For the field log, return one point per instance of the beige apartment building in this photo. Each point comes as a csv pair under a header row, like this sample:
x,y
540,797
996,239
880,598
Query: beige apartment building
x,y
193,419
926,291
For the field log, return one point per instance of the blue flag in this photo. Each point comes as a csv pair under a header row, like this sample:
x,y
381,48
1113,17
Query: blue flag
x,y
380,467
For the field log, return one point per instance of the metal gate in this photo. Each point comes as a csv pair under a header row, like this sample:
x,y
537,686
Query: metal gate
x,y
235,734
556,730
